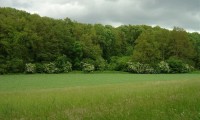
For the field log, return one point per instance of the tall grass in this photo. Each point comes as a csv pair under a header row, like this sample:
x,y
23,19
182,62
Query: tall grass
x,y
100,96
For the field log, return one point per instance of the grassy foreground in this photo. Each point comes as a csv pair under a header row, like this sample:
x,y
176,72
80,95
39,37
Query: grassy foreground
x,y
102,96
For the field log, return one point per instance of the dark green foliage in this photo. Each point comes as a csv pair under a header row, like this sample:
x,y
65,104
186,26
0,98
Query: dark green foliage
x,y
15,65
178,66
3,68
195,38
76,55
29,38
39,68
147,48
179,44
119,63
100,64
3,65
63,64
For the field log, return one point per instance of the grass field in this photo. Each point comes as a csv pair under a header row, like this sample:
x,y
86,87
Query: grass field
x,y
100,96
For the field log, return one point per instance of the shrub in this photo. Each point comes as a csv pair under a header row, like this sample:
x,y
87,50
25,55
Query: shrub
x,y
119,63
175,65
62,64
3,65
15,65
187,68
133,67
67,67
178,66
77,64
100,64
139,68
148,69
3,68
163,67
39,68
88,67
50,68
2,71
30,68
88,60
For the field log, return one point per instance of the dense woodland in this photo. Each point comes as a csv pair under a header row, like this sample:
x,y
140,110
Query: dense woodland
x,y
30,43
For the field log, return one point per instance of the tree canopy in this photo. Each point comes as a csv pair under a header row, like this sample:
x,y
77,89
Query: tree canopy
x,y
29,38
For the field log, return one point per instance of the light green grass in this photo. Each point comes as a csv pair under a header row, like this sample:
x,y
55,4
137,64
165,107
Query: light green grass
x,y
106,96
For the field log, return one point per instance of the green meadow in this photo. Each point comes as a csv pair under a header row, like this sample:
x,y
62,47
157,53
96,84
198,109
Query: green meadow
x,y
100,96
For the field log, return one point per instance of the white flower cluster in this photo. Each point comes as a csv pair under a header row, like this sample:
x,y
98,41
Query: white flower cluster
x,y
88,67
30,68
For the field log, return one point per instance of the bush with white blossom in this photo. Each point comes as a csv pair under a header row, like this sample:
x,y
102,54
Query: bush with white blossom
x,y
30,68
88,67
50,68
164,67
140,68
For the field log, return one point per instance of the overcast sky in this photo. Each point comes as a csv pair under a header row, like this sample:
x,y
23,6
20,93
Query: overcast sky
x,y
165,13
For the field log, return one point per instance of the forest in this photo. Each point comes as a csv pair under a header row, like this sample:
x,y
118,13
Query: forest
x,y
30,43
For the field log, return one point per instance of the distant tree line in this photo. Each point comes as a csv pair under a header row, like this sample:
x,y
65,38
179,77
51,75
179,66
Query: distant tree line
x,y
33,44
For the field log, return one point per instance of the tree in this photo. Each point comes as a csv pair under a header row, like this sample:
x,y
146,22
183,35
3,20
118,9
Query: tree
x,y
179,44
146,49
29,38
162,38
195,38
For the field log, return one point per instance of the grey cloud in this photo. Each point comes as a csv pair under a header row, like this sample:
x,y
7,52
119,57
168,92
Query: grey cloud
x,y
165,13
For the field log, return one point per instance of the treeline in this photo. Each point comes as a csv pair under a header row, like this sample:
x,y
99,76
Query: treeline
x,y
30,43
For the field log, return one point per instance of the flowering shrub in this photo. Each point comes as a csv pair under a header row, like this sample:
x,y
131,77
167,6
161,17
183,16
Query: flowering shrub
x,y
139,68
148,69
50,68
134,67
30,68
163,67
88,67
67,67
187,68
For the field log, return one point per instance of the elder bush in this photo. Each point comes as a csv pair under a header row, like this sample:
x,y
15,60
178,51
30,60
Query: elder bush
x,y
30,68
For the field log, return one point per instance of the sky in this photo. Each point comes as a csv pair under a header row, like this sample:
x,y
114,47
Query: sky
x,y
164,13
